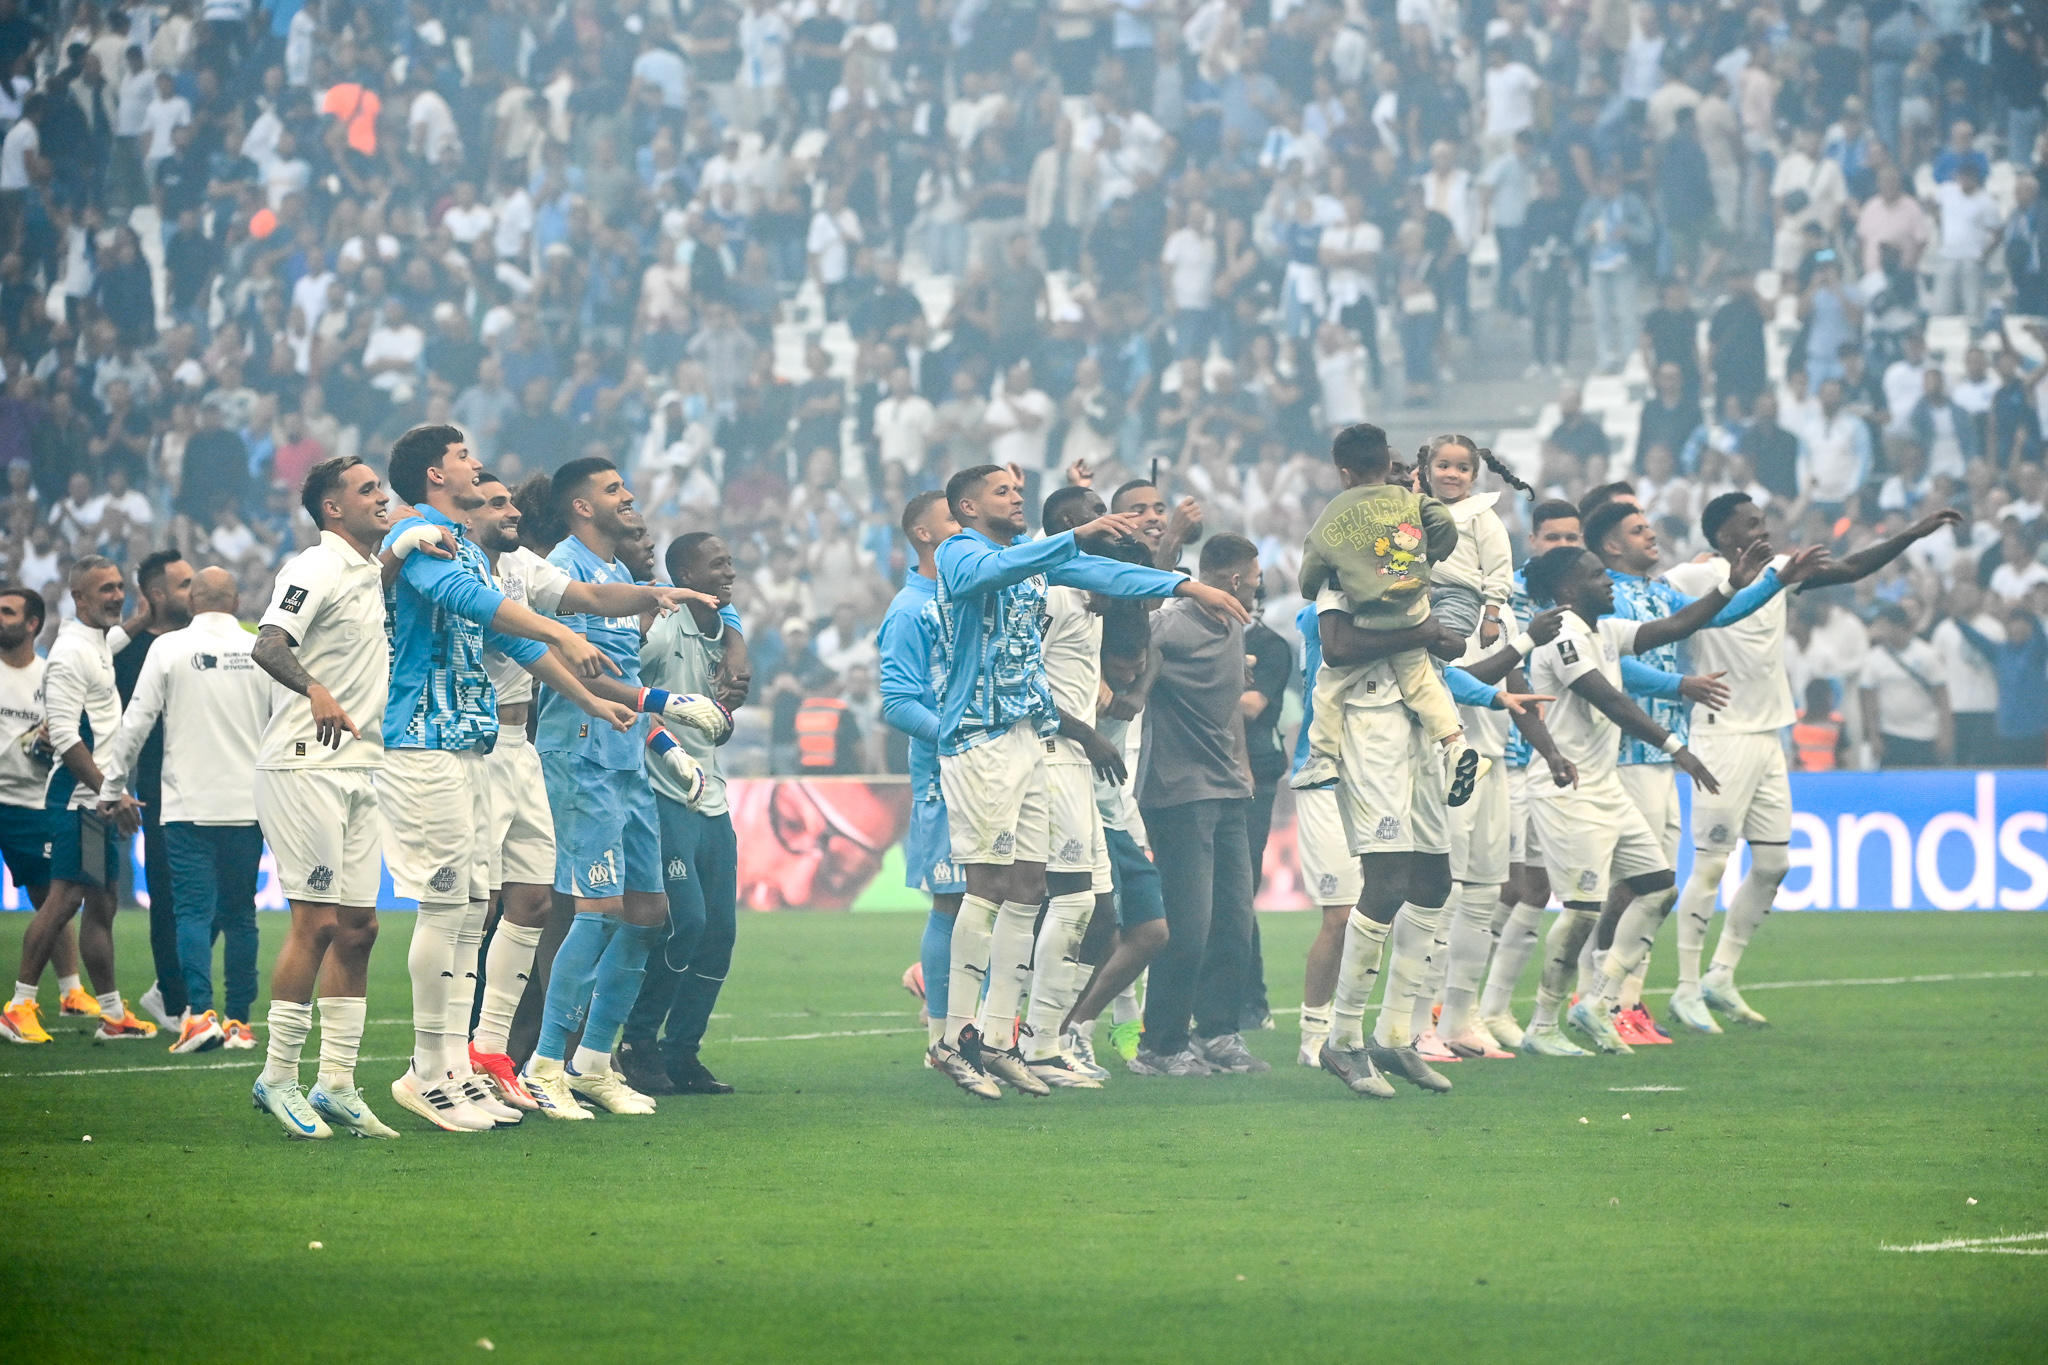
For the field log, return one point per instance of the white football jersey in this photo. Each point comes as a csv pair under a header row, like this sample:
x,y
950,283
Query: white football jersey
x,y
22,779
1581,730
1751,652
531,581
330,601
1072,650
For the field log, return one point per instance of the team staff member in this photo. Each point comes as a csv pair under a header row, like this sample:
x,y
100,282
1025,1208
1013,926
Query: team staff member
x,y
1268,669
82,709
683,653
1193,794
164,583
201,690
24,770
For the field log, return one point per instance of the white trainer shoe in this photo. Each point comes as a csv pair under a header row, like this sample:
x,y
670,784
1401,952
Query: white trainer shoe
x,y
1310,1053
610,1093
443,1105
1551,1042
1080,1050
288,1105
1717,988
1061,1074
1596,1021
1504,1029
153,1001
1689,1011
1317,771
345,1112
547,1080
479,1093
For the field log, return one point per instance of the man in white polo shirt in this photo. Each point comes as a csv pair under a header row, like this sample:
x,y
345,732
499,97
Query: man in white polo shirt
x,y
214,702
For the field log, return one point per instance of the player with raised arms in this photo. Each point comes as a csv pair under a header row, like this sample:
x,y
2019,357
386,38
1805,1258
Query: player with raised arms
x,y
996,712
1741,743
444,610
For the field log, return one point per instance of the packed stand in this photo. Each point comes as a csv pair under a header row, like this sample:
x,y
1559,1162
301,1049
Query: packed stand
x,y
788,263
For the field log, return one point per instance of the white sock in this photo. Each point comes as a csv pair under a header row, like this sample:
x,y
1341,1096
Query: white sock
x,y
506,967
67,984
1696,913
24,991
469,945
111,1006
1634,936
341,1038
1589,958
1056,971
1315,1023
1511,953
1753,899
972,929
432,962
934,1029
590,1062
1471,944
1632,984
1561,963
1009,973
1126,1009
1357,969
1436,966
1408,972
290,1022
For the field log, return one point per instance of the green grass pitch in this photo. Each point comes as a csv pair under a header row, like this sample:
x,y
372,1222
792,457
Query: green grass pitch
x,y
1721,1199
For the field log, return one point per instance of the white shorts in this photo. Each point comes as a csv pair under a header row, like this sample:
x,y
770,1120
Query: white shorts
x,y
1479,831
436,809
1653,789
1329,874
323,831
1391,784
1590,836
996,800
1075,842
1755,802
522,841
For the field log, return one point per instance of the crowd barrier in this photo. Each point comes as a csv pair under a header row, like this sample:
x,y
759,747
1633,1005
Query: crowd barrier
x,y
1935,839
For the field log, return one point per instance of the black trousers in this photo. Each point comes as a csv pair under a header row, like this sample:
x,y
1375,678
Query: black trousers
x,y
1204,861
1258,825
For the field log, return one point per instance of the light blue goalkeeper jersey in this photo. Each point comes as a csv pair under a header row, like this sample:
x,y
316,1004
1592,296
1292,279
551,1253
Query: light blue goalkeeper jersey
x,y
563,727
909,684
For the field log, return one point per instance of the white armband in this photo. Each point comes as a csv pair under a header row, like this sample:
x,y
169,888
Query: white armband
x,y
1672,744
1523,645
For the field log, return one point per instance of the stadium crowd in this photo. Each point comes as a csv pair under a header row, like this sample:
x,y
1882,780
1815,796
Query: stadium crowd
x,y
789,261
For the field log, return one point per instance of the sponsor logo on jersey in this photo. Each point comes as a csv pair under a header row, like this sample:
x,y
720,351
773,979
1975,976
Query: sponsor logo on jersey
x,y
1388,828
1719,834
1567,651
1589,880
294,598
320,878
598,873
1326,885
1006,843
678,870
443,880
1070,851
202,663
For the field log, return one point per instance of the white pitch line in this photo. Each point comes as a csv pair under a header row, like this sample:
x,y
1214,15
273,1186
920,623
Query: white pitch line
x,y
1999,1245
1644,1089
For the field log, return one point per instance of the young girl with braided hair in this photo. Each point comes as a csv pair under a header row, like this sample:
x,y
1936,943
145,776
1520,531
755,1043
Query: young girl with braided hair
x,y
1474,580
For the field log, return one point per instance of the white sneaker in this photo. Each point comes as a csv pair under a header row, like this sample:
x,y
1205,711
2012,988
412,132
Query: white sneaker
x,y
443,1105
610,1093
1504,1029
1551,1042
1310,1054
1718,990
287,1104
1060,1074
1689,1011
1080,1050
477,1092
153,1001
345,1112
1319,770
1479,1044
547,1080
1596,1021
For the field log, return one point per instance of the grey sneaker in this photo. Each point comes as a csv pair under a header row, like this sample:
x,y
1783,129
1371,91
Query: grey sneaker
x,y
1407,1063
1186,1062
1353,1066
1227,1052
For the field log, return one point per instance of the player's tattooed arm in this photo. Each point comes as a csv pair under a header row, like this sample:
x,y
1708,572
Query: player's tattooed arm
x,y
274,655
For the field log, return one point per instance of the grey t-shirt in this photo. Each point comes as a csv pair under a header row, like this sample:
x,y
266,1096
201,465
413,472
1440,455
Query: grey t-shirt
x,y
1194,731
